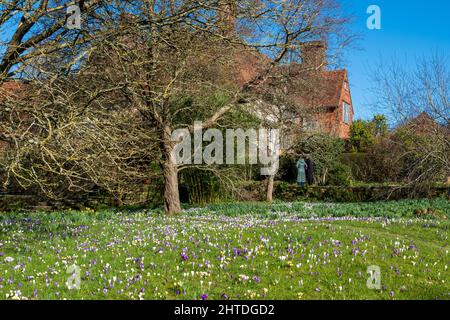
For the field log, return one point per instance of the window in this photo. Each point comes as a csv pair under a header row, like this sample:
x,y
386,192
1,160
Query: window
x,y
346,112
346,85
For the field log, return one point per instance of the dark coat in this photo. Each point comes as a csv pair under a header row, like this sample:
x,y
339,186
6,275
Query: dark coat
x,y
310,171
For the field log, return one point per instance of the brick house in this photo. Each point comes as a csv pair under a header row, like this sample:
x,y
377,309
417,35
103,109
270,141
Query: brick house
x,y
322,97
324,94
329,96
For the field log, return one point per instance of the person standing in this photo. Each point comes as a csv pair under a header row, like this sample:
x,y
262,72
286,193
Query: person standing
x,y
310,171
301,172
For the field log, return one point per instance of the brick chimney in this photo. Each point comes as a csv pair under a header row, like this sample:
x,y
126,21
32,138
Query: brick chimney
x,y
227,16
314,55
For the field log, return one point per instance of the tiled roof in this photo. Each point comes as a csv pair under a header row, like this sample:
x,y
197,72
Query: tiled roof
x,y
424,123
315,89
333,83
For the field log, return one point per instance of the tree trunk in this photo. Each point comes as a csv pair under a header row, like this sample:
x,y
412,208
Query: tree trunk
x,y
270,182
171,193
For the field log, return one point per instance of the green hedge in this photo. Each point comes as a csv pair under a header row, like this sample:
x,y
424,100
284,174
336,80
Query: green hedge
x,y
291,192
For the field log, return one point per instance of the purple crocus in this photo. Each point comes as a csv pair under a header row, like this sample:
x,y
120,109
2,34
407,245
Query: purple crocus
x,y
204,296
184,256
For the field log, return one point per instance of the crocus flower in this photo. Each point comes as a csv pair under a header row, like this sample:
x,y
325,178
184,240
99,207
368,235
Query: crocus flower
x,y
184,256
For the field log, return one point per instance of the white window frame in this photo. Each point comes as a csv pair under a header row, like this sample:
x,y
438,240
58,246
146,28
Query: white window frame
x,y
346,112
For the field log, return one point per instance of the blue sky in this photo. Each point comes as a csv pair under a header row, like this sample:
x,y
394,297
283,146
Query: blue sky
x,y
410,29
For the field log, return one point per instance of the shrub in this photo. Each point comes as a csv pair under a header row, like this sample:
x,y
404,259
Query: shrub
x,y
340,175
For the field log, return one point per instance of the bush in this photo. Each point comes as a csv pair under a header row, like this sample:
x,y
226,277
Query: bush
x,y
340,175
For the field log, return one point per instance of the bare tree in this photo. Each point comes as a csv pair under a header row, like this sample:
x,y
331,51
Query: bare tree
x,y
159,63
418,99
62,141
36,28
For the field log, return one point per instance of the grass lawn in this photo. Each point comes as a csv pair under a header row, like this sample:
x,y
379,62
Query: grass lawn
x,y
235,251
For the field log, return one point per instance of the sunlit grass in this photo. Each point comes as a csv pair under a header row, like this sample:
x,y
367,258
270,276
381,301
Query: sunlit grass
x,y
260,253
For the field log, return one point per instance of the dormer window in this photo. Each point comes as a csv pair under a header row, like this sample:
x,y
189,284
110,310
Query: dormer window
x,y
346,112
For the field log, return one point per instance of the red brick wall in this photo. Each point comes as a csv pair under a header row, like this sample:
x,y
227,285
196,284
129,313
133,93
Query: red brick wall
x,y
332,122
343,129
